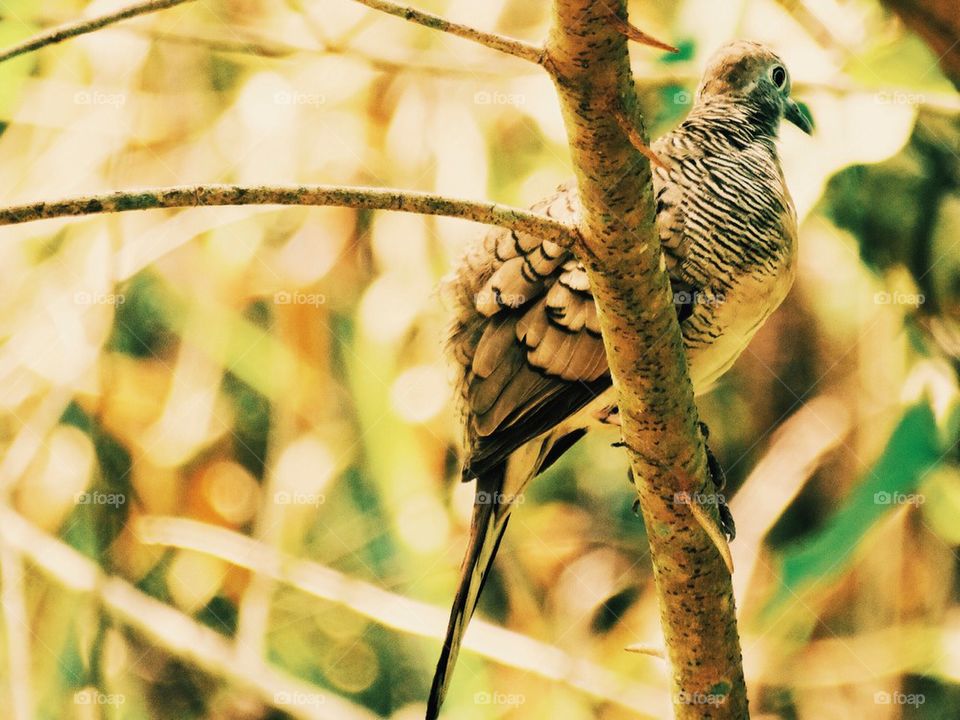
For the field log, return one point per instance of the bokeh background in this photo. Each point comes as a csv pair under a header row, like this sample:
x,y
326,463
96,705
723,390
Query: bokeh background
x,y
228,450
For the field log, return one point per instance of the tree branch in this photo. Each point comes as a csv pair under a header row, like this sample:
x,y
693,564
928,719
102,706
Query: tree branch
x,y
317,195
587,56
82,27
508,45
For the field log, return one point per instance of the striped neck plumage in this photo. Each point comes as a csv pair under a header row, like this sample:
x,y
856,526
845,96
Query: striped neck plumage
x,y
740,121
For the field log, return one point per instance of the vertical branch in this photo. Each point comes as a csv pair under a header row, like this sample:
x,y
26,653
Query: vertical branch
x,y
588,59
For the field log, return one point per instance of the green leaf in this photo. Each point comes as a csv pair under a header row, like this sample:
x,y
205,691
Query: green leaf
x,y
911,453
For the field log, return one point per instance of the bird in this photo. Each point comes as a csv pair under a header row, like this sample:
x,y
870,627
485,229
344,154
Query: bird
x,y
531,373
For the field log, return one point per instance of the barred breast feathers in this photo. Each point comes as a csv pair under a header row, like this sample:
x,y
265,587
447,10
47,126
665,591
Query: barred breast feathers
x,y
722,207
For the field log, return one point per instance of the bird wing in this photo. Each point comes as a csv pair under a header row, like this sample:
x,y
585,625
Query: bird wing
x,y
525,337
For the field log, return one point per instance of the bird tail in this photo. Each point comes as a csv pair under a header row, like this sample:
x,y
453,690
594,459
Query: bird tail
x,y
490,516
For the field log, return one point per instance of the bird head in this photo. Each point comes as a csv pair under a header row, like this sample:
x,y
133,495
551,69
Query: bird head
x,y
752,74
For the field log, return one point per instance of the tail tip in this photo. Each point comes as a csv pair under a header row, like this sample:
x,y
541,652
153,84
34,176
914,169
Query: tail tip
x,y
433,707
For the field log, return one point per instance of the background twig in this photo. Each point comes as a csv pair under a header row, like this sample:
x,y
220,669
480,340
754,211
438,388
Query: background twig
x,y
400,613
510,46
82,27
170,629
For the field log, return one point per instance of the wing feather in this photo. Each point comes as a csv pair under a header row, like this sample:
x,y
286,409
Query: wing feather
x,y
525,337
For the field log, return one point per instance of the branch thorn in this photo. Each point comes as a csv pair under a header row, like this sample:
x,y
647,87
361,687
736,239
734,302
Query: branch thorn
x,y
634,33
633,135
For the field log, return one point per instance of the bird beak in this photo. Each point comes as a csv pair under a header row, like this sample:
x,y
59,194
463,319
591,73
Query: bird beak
x,y
794,114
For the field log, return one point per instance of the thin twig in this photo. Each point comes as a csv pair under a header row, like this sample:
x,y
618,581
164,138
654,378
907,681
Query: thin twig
x,y
273,50
82,27
398,612
650,650
711,528
316,195
814,26
171,630
502,43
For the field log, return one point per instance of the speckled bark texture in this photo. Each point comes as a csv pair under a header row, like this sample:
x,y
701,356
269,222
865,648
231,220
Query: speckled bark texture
x,y
318,195
589,61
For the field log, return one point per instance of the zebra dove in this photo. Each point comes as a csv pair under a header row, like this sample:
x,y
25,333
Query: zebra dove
x,y
525,339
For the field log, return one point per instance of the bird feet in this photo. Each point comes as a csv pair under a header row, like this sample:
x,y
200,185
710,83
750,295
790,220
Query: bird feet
x,y
719,479
717,476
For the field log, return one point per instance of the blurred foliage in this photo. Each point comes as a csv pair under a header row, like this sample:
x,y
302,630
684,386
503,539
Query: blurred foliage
x,y
278,374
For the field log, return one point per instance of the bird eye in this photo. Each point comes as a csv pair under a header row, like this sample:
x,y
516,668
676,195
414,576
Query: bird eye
x,y
779,76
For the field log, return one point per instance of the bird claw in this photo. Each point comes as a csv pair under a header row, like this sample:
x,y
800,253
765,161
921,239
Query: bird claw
x,y
717,474
704,429
714,467
727,523
719,479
